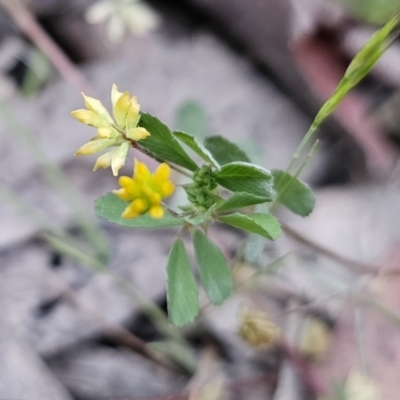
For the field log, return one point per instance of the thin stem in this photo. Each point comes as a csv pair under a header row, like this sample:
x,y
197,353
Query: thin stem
x,y
354,265
308,158
174,213
359,328
111,329
59,181
301,146
70,249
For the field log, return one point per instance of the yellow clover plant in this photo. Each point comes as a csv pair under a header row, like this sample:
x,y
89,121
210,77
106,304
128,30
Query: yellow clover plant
x,y
118,132
221,185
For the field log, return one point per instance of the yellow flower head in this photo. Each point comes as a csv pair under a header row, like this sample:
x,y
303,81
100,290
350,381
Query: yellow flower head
x,y
145,190
257,329
117,132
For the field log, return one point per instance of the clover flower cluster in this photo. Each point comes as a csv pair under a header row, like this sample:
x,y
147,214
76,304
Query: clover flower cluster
x,y
202,191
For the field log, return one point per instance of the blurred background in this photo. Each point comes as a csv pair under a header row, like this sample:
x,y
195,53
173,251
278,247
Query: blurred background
x,y
82,302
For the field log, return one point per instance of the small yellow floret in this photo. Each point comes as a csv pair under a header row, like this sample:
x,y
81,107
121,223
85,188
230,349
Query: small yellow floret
x,y
145,190
156,212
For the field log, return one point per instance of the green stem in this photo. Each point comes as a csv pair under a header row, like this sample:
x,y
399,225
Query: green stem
x,y
308,158
302,144
70,248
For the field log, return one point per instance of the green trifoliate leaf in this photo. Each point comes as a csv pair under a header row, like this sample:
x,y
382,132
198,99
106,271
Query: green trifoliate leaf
x,y
163,144
182,292
224,151
239,200
262,224
191,118
196,146
111,207
245,177
292,193
215,273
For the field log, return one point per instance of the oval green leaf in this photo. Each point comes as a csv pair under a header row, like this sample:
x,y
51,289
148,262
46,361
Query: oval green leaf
x,y
196,146
163,144
215,274
245,177
262,224
111,207
239,200
182,291
224,151
293,194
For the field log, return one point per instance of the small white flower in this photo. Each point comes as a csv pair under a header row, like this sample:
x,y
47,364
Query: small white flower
x,y
122,15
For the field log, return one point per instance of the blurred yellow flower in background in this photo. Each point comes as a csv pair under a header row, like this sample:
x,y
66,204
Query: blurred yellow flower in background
x,y
145,190
257,329
117,132
123,15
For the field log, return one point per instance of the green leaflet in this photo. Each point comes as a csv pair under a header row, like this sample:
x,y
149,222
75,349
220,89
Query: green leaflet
x,y
163,144
292,193
215,273
224,151
239,200
182,292
245,177
196,146
262,224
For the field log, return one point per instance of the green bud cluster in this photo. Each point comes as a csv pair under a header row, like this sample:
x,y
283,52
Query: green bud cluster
x,y
203,191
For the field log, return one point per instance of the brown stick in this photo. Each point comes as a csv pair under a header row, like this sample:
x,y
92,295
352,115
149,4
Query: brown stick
x,y
29,26
356,266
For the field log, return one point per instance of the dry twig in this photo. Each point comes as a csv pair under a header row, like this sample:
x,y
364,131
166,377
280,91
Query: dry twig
x,y
30,27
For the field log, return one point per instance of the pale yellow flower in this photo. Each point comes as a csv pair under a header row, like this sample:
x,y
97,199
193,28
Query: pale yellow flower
x,y
257,329
315,339
110,133
123,15
361,387
145,190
